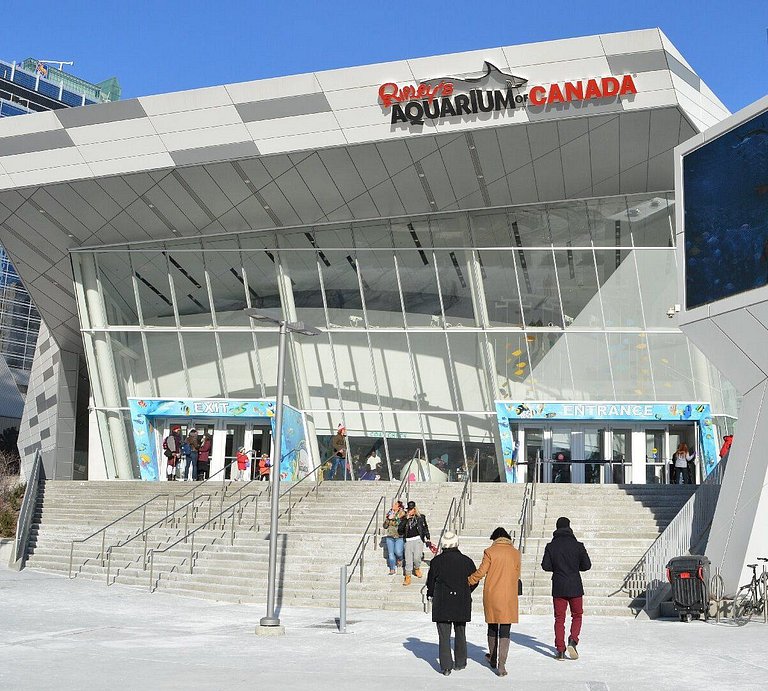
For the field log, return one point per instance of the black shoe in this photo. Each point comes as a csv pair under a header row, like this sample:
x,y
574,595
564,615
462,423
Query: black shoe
x,y
572,652
560,655
457,668
446,672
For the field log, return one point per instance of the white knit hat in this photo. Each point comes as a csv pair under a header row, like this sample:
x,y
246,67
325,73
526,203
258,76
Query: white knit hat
x,y
449,540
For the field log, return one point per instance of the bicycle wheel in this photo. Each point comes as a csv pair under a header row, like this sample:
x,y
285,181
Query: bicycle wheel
x,y
743,606
762,592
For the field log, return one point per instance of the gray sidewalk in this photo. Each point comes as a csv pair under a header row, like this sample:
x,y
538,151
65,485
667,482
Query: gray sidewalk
x,y
61,634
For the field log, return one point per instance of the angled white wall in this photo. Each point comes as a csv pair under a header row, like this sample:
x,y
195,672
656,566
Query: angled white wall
x,y
733,334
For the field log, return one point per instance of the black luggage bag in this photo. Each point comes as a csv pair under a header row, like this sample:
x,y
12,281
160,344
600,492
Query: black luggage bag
x,y
689,578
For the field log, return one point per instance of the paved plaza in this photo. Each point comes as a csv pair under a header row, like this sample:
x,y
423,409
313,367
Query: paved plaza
x,y
61,634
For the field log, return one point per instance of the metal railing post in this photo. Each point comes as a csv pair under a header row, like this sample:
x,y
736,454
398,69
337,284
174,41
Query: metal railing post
x,y
362,562
232,527
186,522
191,553
343,599
103,541
151,568
109,564
143,518
71,554
255,514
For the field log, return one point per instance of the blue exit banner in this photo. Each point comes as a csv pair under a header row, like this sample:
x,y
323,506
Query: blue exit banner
x,y
145,412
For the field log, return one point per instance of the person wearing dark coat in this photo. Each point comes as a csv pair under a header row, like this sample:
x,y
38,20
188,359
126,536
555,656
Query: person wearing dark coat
x,y
450,592
565,557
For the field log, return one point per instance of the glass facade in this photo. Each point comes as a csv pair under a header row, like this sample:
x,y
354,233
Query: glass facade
x,y
19,320
426,321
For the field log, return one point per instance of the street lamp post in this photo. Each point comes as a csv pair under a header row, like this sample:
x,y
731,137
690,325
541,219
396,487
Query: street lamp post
x,y
270,624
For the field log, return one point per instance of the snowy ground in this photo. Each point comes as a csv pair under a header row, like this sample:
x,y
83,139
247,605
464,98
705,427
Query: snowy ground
x,y
61,634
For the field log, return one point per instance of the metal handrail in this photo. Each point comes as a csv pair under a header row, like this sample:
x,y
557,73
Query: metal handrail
x,y
233,508
145,532
405,482
457,511
405,485
345,576
103,530
318,481
682,534
168,511
224,486
525,521
27,512
357,559
208,479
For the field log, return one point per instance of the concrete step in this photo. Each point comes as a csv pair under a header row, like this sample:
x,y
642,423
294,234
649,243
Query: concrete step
x,y
617,523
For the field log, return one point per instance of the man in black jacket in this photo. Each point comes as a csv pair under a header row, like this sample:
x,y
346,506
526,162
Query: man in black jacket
x,y
565,557
450,592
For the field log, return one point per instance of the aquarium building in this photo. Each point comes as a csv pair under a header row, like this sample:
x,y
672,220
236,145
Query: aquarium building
x,y
485,240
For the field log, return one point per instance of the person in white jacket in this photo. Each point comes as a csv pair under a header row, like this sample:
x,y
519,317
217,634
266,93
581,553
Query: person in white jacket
x,y
680,462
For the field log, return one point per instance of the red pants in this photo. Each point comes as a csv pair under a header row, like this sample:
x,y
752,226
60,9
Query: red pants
x,y
577,610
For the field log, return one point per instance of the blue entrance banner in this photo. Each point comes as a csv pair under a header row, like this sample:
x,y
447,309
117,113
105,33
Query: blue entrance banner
x,y
509,412
145,411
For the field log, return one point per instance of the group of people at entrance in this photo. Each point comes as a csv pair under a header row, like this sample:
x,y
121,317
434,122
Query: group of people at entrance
x,y
453,576
339,466
193,450
189,458
245,458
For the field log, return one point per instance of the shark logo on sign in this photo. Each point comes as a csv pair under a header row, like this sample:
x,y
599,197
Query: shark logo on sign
x,y
492,78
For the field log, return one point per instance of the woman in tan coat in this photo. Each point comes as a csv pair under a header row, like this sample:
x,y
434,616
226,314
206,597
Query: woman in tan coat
x,y
501,570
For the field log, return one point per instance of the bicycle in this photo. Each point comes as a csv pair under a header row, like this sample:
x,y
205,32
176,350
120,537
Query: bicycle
x,y
750,599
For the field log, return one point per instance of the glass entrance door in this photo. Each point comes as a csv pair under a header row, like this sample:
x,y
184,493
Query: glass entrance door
x,y
534,453
560,455
233,441
261,442
593,451
621,456
655,457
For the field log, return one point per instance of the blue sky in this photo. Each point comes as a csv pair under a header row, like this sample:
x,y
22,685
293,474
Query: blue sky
x,y
169,45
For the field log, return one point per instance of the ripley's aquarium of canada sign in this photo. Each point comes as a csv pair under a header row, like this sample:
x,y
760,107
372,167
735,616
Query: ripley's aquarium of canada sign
x,y
494,91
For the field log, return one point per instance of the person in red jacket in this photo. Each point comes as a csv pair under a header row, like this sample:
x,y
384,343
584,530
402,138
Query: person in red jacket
x,y
204,458
726,447
264,465
242,462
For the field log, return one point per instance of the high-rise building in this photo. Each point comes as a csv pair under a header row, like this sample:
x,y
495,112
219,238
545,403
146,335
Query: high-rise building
x,y
28,87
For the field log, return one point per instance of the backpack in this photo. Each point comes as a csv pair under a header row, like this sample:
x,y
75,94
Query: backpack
x,y
166,451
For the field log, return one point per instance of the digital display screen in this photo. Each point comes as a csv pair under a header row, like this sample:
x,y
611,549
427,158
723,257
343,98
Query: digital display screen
x,y
725,202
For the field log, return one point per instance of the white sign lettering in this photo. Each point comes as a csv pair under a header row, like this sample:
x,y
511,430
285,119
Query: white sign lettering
x,y
210,407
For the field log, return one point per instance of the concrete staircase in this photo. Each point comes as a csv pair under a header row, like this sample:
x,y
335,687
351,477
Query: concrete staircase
x,y
617,524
